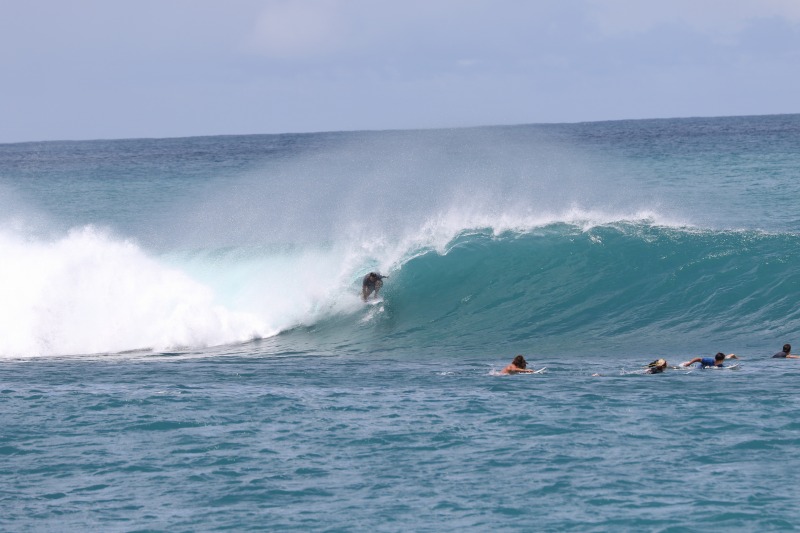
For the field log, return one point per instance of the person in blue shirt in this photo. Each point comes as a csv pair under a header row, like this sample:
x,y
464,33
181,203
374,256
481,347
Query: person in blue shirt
x,y
786,353
717,360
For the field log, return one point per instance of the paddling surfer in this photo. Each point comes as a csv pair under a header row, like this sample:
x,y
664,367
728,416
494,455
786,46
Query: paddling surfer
x,y
657,366
517,366
717,360
786,353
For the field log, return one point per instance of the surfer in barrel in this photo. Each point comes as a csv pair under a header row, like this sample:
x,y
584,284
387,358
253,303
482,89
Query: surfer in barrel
x,y
517,366
371,285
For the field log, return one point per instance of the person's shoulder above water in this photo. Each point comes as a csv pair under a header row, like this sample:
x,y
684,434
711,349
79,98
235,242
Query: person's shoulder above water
x,y
517,366
786,353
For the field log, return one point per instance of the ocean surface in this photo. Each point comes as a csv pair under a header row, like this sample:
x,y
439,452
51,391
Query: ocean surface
x,y
183,346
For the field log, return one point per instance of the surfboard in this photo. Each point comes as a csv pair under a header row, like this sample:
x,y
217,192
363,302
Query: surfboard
x,y
494,372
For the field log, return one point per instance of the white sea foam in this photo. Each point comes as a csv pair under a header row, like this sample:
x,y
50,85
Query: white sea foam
x,y
89,293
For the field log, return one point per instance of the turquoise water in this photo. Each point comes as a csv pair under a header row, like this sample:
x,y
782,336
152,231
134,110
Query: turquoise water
x,y
182,346
249,441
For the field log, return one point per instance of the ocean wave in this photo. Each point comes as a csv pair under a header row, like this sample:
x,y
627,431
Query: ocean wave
x,y
459,280
630,285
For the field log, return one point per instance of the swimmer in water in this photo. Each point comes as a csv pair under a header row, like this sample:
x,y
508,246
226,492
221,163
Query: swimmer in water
x,y
657,366
786,353
517,366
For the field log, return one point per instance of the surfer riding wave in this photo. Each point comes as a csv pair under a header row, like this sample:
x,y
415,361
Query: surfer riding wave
x,y
371,285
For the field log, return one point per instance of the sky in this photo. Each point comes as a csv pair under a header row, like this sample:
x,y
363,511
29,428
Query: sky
x,y
100,69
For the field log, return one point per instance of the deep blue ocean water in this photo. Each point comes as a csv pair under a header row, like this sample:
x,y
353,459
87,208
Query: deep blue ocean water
x,y
183,347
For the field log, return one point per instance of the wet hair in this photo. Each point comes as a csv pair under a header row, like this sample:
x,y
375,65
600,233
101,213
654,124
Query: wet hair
x,y
787,348
519,362
719,357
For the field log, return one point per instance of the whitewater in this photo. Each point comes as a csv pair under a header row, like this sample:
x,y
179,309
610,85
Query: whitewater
x,y
183,345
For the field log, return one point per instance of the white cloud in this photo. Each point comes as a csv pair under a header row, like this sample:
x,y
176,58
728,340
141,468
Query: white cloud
x,y
716,18
286,29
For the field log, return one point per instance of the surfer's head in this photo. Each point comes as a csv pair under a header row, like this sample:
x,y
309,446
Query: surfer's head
x,y
519,362
660,364
719,357
787,348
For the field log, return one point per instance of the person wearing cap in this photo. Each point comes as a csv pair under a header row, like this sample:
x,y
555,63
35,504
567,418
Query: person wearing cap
x,y
517,366
372,284
717,360
657,366
786,353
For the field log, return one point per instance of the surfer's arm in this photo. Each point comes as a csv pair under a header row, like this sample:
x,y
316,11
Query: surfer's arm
x,y
790,356
731,356
693,361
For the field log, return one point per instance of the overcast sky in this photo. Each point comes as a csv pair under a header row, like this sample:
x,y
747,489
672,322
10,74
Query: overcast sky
x,y
88,69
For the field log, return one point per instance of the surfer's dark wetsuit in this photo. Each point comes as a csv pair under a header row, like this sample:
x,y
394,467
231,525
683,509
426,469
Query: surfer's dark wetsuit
x,y
372,283
786,353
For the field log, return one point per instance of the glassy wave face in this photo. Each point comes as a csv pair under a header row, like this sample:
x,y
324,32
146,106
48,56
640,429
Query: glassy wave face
x,y
606,238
